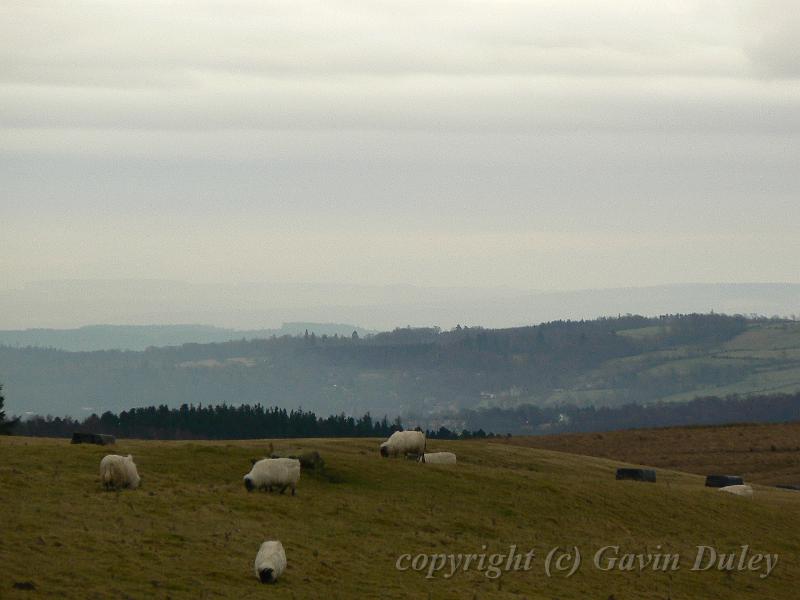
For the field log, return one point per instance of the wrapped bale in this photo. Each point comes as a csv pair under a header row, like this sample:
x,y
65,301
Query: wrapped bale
x,y
102,439
648,475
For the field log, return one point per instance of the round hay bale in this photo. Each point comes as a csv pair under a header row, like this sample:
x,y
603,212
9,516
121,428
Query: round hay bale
x,y
648,475
718,481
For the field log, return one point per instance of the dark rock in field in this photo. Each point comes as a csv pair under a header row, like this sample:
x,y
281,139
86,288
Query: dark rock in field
x,y
648,475
101,439
718,481
309,459
24,585
787,486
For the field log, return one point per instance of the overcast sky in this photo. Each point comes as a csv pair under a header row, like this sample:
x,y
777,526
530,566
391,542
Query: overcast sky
x,y
540,145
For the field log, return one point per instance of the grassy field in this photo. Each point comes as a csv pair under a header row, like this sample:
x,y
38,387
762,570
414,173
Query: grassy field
x,y
192,531
766,454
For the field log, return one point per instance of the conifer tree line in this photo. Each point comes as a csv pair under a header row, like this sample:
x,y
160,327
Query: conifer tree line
x,y
254,422
6,426
221,422
214,422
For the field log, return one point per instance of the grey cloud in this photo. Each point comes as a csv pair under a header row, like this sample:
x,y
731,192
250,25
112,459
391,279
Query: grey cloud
x,y
384,141
436,66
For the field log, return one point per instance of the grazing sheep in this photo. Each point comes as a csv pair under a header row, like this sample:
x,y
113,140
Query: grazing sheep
x,y
401,443
739,490
270,562
119,472
438,458
269,472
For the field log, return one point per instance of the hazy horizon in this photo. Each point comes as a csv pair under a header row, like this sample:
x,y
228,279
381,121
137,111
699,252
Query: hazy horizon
x,y
68,304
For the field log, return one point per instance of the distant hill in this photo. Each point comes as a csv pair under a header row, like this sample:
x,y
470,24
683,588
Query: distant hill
x,y
65,304
140,337
424,373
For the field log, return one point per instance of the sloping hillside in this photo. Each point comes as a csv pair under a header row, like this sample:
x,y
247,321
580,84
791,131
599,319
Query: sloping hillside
x,y
766,454
192,530
763,358
424,372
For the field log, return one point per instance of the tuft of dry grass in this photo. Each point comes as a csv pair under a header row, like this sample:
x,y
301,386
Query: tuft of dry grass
x,y
192,531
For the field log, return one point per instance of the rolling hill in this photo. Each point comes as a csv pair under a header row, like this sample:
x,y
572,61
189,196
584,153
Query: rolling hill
x,y
424,374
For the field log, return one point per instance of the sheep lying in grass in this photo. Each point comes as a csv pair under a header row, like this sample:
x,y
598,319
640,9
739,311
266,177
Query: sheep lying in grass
x,y
438,458
270,562
401,443
273,472
119,472
738,490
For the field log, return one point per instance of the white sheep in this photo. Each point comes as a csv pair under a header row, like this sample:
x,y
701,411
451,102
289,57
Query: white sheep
x,y
119,472
270,562
738,490
401,443
438,458
277,472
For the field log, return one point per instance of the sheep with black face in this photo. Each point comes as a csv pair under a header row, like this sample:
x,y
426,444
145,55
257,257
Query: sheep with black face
x,y
401,443
273,472
270,561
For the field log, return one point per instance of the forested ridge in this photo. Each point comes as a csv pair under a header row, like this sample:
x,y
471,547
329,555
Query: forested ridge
x,y
422,373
